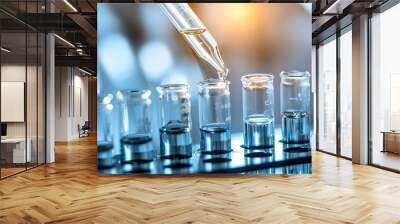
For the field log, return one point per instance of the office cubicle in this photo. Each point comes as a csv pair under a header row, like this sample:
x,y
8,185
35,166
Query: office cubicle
x,y
22,94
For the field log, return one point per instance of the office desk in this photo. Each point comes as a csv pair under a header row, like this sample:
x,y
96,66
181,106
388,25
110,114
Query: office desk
x,y
16,147
391,141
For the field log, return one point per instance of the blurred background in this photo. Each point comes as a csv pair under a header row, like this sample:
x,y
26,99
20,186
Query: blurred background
x,y
138,48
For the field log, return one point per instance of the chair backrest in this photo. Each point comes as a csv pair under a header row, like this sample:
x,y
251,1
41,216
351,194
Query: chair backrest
x,y
86,124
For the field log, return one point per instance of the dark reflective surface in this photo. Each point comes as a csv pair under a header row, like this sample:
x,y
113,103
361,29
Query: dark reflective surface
x,y
281,159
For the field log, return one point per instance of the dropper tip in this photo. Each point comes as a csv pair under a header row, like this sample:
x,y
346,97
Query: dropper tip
x,y
222,75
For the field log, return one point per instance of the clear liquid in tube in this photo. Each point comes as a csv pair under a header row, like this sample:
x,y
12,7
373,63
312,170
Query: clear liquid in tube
x,y
206,48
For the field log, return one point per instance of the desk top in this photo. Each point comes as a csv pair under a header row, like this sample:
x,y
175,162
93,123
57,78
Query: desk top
x,y
13,140
391,132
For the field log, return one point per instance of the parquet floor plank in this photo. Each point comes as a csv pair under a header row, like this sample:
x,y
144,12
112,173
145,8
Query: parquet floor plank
x,y
70,191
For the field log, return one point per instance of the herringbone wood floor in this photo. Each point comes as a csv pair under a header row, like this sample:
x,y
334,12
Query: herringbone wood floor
x,y
70,191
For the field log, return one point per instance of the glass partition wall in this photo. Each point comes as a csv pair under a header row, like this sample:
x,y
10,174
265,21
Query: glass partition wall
x,y
385,89
327,96
22,78
13,110
346,93
334,94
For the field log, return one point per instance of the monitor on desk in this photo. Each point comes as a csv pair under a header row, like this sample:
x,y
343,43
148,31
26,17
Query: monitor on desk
x,y
3,130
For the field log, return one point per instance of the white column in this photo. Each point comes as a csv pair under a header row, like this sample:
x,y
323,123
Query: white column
x,y
360,90
314,95
50,99
50,92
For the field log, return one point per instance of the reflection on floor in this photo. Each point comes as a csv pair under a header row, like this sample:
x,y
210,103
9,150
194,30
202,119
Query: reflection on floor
x,y
387,159
70,191
10,169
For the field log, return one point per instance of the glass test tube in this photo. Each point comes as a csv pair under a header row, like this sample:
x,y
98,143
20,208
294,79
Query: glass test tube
x,y
214,116
104,131
295,106
134,107
175,121
258,110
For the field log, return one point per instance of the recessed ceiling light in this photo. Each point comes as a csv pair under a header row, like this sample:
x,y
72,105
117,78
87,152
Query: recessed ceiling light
x,y
84,71
64,40
338,6
70,5
5,50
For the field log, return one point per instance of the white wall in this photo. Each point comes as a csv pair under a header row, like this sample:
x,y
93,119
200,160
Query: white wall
x,y
80,83
62,81
70,83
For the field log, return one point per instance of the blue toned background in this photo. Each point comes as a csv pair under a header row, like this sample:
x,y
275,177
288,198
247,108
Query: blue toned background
x,y
138,48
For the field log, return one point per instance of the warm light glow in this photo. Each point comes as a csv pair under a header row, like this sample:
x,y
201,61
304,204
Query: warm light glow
x,y
239,11
240,21
240,14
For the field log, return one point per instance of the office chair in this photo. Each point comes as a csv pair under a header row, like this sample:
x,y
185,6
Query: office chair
x,y
84,130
